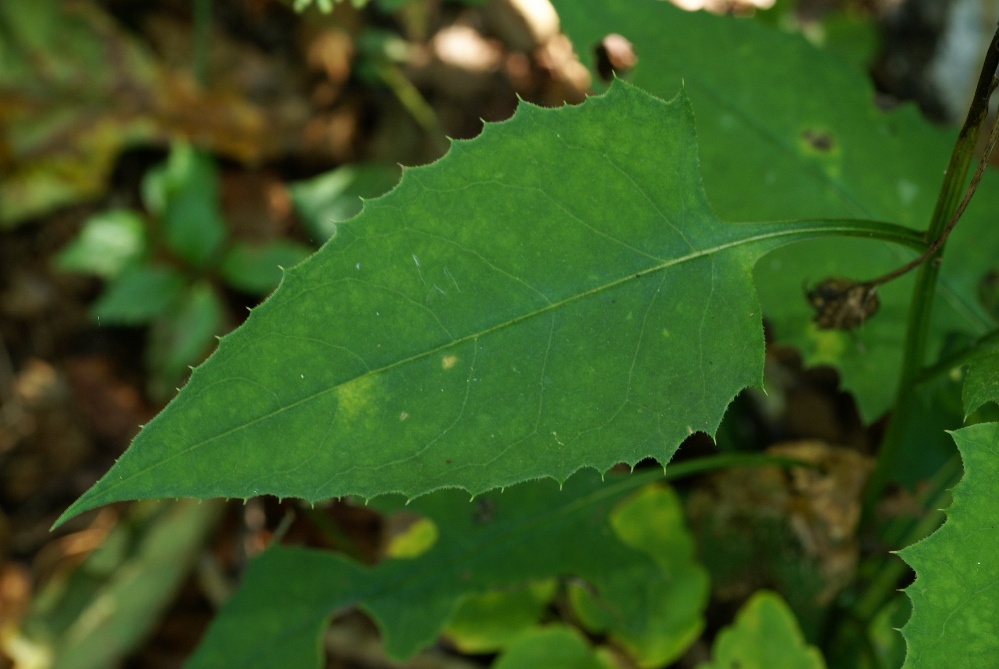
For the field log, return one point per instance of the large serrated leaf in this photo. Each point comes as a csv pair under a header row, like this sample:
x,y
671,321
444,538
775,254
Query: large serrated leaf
x,y
807,140
529,532
954,604
552,295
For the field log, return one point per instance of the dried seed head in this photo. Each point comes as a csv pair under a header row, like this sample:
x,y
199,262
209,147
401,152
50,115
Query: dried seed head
x,y
842,304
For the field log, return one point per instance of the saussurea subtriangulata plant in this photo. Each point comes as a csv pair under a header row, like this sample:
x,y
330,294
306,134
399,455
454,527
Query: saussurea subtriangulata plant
x,y
562,293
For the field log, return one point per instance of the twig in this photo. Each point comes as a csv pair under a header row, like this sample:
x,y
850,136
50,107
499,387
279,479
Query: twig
x,y
942,238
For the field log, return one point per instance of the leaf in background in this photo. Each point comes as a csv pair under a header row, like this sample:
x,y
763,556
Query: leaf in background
x,y
655,611
887,644
256,268
553,648
183,194
109,242
75,89
336,196
529,532
183,338
954,604
93,616
554,294
981,385
765,635
488,622
808,143
139,295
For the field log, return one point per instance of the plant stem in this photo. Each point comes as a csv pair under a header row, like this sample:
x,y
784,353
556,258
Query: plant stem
x,y
942,239
886,581
957,359
917,331
201,37
414,103
727,460
821,227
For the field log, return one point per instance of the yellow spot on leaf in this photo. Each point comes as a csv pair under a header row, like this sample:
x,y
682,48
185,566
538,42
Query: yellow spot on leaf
x,y
414,541
448,361
354,396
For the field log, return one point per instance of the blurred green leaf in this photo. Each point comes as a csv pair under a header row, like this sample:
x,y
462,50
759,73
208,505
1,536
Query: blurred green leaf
x,y
852,37
765,635
93,616
487,622
184,337
532,531
654,610
927,446
336,196
256,268
883,632
108,243
139,295
981,385
183,194
954,605
554,647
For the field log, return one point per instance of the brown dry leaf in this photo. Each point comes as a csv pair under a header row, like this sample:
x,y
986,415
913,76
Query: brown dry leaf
x,y
772,517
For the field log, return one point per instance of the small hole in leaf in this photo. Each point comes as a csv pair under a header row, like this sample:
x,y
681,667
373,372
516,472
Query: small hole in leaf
x,y
820,140
614,55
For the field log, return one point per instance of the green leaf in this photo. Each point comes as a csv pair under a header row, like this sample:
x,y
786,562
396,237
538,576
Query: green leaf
x,y
551,295
810,142
887,644
529,532
324,201
653,610
488,622
981,385
94,615
954,604
765,635
183,193
139,295
108,243
256,269
553,647
184,338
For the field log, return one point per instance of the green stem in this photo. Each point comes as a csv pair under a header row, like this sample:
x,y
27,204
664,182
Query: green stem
x,y
414,103
885,583
727,460
340,539
917,331
862,229
202,37
958,359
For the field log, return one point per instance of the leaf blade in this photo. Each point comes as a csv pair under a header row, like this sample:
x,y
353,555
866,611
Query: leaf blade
x,y
446,339
809,143
953,602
